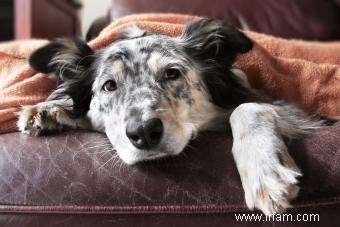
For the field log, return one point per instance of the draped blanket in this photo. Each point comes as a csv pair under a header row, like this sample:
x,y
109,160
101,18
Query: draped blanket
x,y
306,73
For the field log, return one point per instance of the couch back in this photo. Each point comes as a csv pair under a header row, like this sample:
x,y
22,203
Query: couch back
x,y
303,19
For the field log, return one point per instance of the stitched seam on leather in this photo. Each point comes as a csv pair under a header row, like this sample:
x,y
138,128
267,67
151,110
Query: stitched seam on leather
x,y
138,209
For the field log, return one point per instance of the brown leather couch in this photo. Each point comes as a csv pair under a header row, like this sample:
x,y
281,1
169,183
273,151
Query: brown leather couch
x,y
69,180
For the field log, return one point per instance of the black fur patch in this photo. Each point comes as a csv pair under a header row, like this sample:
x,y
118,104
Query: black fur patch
x,y
214,45
40,60
214,40
80,91
75,77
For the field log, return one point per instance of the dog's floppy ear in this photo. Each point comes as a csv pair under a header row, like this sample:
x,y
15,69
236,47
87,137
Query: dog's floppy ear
x,y
71,60
69,55
214,45
214,40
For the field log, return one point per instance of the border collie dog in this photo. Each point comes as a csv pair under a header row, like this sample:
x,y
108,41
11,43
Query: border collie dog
x,y
151,94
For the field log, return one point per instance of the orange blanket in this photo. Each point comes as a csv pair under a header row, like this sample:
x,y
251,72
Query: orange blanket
x,y
306,73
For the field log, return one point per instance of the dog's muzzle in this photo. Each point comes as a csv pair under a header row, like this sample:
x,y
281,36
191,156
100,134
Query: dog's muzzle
x,y
146,134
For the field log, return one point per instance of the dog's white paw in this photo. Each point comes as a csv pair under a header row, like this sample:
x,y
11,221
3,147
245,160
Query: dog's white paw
x,y
36,120
273,192
269,178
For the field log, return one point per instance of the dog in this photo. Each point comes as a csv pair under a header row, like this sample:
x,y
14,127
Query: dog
x,y
151,94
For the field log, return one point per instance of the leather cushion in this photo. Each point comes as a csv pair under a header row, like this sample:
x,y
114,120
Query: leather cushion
x,y
71,172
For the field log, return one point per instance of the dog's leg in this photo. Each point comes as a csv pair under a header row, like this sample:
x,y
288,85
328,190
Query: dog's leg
x,y
49,116
267,171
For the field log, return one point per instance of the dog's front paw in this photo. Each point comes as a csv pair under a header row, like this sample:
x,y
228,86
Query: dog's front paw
x,y
273,192
270,179
36,120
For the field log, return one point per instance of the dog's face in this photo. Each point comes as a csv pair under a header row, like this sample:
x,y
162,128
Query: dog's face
x,y
148,97
150,93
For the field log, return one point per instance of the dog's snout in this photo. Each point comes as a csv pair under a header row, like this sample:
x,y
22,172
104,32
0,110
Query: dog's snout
x,y
146,134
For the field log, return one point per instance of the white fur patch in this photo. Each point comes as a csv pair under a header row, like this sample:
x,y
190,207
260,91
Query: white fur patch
x,y
268,173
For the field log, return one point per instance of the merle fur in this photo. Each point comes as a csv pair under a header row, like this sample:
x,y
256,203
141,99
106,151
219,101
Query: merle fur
x,y
211,43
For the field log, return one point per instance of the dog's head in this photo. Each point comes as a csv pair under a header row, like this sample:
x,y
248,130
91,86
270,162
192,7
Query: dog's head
x,y
149,92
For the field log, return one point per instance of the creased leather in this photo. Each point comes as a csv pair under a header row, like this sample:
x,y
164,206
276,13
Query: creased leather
x,y
77,168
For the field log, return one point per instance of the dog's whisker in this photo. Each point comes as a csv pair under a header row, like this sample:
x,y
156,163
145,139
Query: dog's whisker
x,y
115,162
103,165
94,144
96,152
122,165
99,146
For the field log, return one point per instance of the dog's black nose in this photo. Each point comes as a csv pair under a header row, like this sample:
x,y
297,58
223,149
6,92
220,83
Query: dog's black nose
x,y
145,135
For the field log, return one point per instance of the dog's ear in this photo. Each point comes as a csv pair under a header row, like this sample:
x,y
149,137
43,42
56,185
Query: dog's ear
x,y
71,60
64,57
214,45
214,40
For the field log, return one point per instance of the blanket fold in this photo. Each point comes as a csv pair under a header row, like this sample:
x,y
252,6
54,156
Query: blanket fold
x,y
306,73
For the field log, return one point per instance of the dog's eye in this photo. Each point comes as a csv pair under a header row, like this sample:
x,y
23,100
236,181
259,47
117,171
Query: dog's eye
x,y
172,74
110,85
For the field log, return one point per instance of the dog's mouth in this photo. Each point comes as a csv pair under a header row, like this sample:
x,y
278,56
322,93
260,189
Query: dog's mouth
x,y
131,155
149,155
135,157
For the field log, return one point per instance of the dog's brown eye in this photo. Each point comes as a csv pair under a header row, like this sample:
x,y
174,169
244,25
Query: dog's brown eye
x,y
110,85
172,74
